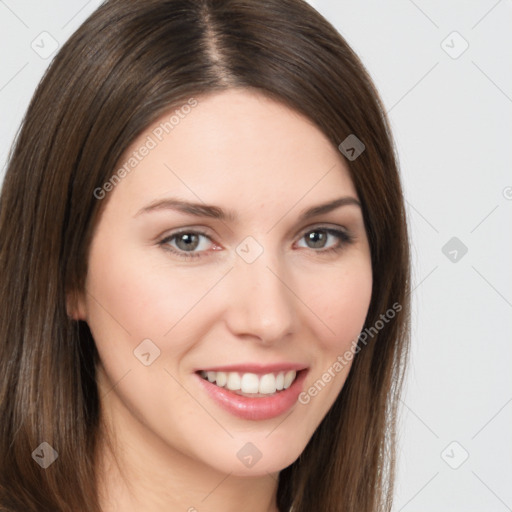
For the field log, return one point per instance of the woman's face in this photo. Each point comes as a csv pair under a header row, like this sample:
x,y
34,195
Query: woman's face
x,y
250,291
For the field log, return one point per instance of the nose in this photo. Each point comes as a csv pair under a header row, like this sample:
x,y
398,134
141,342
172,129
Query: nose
x,y
260,301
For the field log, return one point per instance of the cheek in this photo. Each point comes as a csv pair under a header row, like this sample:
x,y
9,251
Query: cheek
x,y
342,305
126,288
132,297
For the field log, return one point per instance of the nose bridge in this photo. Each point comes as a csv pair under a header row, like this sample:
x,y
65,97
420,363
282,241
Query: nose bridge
x,y
261,305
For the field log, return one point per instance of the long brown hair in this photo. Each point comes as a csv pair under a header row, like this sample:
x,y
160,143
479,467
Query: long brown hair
x,y
130,62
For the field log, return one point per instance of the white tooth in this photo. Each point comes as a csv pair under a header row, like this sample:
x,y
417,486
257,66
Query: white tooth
x,y
233,382
289,378
211,376
222,378
267,384
280,381
250,383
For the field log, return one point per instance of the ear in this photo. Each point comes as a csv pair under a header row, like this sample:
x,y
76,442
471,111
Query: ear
x,y
75,306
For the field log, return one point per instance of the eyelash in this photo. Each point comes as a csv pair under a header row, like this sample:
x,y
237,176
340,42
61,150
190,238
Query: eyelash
x,y
343,237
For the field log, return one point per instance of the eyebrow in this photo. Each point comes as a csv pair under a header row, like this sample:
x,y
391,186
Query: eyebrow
x,y
215,212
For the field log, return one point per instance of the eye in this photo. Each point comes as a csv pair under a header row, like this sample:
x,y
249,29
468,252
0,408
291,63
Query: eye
x,y
184,243
191,243
317,238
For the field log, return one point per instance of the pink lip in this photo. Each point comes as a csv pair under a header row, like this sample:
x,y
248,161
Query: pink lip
x,y
258,408
255,368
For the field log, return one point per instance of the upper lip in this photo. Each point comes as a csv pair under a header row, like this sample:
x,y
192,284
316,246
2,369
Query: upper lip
x,y
255,368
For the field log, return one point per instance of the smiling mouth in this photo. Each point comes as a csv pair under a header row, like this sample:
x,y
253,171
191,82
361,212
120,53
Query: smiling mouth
x,y
251,384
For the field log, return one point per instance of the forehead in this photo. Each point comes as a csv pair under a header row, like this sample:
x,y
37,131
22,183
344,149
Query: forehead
x,y
237,147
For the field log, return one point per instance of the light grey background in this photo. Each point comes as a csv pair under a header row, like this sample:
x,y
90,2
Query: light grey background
x,y
451,112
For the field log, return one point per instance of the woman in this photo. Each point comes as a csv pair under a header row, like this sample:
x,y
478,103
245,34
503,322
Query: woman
x,y
205,268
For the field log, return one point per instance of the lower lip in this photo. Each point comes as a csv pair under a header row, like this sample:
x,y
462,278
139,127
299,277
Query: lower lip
x,y
262,408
